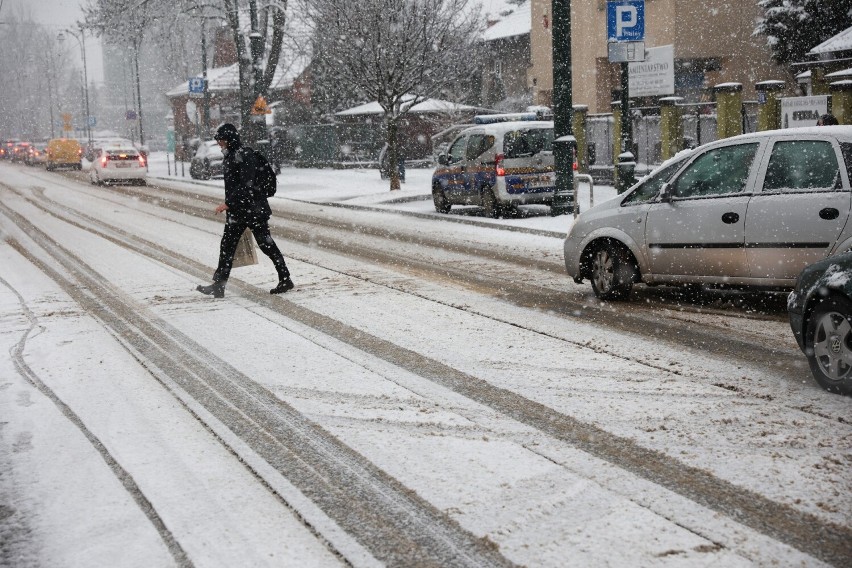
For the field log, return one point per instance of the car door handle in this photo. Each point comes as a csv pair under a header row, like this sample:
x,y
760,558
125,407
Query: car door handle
x,y
829,213
730,218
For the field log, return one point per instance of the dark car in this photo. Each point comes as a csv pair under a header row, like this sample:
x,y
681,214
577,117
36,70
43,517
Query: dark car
x,y
207,161
20,151
820,310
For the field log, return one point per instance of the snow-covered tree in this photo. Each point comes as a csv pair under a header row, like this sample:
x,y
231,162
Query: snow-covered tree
x,y
397,52
794,27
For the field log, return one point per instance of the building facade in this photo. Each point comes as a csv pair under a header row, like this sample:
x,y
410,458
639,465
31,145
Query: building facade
x,y
712,39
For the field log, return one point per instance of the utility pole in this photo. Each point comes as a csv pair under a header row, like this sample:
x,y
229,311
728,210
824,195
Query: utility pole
x,y
136,42
206,104
565,144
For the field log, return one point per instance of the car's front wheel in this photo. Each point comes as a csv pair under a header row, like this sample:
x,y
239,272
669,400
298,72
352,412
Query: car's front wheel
x,y
613,272
828,344
440,200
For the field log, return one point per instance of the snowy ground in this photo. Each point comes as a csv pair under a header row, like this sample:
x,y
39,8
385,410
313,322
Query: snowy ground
x,y
146,425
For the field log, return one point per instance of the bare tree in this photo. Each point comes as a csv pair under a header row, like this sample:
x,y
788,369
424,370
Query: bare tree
x,y
262,22
397,52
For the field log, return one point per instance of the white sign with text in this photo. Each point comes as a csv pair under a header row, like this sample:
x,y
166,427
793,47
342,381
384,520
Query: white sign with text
x,y
654,76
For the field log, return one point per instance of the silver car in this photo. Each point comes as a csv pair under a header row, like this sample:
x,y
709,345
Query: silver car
x,y
752,210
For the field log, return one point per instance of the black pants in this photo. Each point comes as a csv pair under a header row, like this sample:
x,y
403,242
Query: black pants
x,y
230,239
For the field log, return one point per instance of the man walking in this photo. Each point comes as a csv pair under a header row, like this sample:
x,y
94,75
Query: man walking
x,y
245,208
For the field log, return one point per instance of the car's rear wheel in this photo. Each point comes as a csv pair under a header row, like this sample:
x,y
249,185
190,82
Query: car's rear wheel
x,y
440,200
490,206
613,272
828,344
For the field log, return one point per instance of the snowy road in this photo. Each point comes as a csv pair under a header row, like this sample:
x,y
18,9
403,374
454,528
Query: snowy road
x,y
430,394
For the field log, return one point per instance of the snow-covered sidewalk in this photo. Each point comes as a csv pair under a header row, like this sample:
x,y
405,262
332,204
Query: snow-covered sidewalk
x,y
363,187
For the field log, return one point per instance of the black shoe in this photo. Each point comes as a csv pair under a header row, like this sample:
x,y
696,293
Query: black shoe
x,y
283,286
217,289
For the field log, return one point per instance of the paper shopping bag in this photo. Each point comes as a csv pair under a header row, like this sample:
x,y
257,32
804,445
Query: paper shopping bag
x,y
246,254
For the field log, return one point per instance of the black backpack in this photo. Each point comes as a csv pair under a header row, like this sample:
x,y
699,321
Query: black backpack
x,y
264,175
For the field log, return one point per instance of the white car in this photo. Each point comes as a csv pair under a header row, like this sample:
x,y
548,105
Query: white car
x,y
747,211
118,165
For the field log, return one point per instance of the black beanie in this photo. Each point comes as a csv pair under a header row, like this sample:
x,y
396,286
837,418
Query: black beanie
x,y
228,132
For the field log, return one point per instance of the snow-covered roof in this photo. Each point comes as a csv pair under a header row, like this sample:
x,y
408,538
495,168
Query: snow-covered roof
x,y
840,42
224,79
517,23
427,105
842,74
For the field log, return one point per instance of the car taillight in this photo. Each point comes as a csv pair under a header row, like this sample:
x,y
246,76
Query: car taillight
x,y
141,161
498,165
103,161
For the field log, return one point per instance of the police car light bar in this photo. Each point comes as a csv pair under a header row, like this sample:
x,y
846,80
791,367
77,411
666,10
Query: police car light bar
x,y
511,117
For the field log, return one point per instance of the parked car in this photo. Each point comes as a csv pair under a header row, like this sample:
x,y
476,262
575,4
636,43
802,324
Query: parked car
x,y
36,154
207,161
820,310
497,166
747,211
64,153
118,164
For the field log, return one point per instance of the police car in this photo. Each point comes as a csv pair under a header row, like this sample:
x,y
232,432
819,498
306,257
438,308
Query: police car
x,y
500,162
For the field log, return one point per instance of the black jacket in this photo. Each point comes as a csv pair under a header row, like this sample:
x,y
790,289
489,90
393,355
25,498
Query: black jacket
x,y
244,205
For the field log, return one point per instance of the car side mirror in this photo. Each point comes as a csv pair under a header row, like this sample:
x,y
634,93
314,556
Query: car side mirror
x,y
442,159
666,192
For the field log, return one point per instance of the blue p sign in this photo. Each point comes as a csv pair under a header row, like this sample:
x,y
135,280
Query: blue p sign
x,y
625,20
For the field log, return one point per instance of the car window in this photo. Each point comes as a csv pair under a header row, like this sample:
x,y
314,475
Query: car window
x,y
798,165
720,171
527,142
650,187
456,152
477,144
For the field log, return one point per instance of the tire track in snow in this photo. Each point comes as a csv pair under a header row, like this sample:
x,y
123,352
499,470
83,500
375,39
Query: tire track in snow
x,y
126,479
785,524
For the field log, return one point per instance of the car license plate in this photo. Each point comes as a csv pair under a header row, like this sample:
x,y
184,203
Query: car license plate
x,y
539,181
123,165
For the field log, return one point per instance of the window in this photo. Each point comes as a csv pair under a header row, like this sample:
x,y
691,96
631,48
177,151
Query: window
x,y
477,144
524,143
650,188
801,165
456,153
720,171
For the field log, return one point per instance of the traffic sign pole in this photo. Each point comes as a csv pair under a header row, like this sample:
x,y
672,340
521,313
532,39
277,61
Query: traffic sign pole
x,y
625,23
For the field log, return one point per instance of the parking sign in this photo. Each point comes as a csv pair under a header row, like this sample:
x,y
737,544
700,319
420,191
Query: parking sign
x,y
625,20
197,86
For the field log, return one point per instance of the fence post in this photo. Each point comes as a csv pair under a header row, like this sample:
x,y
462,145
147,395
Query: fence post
x,y
769,111
616,131
579,128
729,109
671,127
818,84
841,101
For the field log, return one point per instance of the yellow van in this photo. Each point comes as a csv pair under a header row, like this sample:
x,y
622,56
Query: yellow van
x,y
64,153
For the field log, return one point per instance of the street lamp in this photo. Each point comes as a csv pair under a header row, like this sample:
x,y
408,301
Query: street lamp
x,y
81,39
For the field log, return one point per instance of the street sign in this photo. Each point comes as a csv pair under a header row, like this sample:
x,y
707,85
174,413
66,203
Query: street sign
x,y
654,76
67,118
130,115
197,86
626,51
625,20
92,120
260,107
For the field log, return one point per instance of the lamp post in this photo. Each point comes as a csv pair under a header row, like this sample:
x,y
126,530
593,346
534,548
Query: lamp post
x,y
81,39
